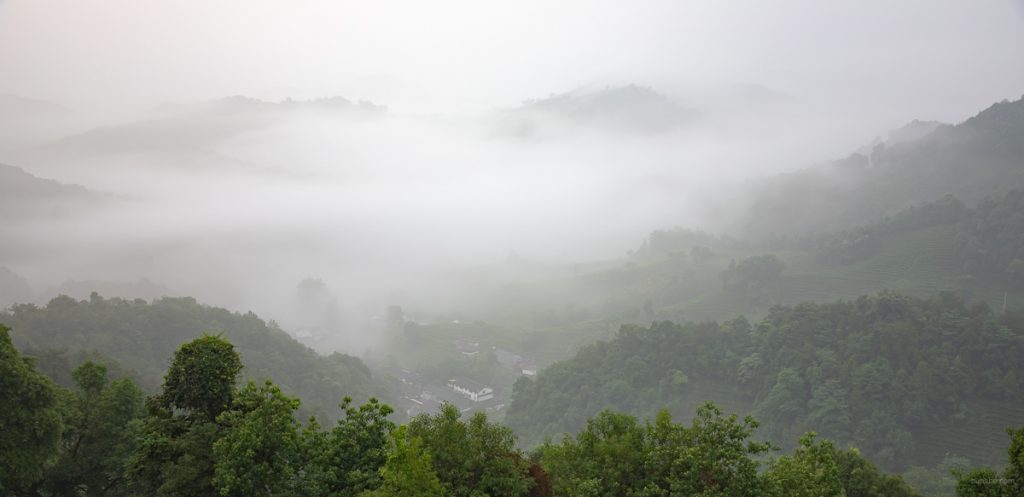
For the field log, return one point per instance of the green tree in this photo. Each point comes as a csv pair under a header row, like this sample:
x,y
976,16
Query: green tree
x,y
606,458
259,452
30,423
472,459
201,379
347,459
786,401
716,459
810,472
175,453
141,336
861,478
409,471
101,424
616,456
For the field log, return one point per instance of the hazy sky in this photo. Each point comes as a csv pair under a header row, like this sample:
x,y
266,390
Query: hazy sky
x,y
911,58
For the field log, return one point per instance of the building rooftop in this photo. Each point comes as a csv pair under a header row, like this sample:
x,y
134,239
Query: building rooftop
x,y
468,384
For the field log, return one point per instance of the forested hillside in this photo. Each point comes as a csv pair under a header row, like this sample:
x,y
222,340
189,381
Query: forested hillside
x,y
201,435
24,196
876,372
682,275
136,337
971,160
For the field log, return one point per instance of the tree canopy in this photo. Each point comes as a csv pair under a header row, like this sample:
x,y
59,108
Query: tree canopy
x,y
861,372
30,423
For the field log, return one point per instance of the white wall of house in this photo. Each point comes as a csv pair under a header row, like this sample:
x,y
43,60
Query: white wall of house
x,y
480,395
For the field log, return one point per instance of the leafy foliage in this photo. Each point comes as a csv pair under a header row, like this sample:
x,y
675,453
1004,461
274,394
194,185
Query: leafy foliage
x,y
201,378
101,424
408,471
140,336
347,459
810,472
176,456
861,372
261,449
255,446
615,455
472,459
30,424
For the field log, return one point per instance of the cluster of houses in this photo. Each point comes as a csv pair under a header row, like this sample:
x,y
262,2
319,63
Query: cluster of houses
x,y
423,396
472,390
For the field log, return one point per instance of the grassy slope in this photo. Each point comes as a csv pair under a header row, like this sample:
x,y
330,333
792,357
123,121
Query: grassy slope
x,y
981,437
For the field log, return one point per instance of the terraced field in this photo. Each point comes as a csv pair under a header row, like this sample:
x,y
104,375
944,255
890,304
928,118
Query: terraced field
x,y
981,437
919,263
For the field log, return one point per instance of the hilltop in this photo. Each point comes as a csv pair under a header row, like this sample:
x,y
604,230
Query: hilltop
x,y
981,156
138,336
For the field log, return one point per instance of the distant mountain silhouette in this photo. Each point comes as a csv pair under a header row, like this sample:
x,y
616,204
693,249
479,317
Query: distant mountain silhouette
x,y
194,129
24,196
631,108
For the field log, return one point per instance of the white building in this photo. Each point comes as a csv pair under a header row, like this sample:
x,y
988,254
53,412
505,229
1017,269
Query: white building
x,y
477,392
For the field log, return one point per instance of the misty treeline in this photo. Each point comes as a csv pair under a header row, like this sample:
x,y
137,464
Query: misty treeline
x,y
969,160
989,237
133,338
871,372
203,435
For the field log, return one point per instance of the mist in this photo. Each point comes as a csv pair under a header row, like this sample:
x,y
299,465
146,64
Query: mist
x,y
402,153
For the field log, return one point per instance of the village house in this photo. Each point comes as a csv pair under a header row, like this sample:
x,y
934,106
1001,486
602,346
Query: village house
x,y
477,392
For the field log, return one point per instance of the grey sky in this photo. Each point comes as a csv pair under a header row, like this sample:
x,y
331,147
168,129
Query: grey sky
x,y
912,58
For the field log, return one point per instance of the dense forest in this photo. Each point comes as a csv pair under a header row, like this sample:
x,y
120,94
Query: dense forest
x,y
202,435
134,338
868,372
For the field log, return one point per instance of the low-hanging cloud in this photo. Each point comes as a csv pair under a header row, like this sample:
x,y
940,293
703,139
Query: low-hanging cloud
x,y
561,133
